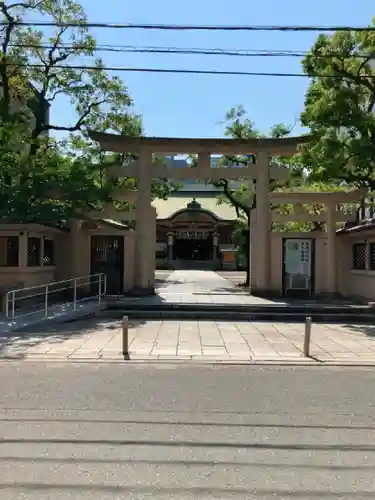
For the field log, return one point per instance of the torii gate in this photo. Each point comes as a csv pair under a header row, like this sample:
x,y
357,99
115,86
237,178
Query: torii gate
x,y
144,170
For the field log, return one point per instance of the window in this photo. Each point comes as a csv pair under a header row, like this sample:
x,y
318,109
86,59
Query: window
x,y
9,246
34,246
372,256
359,256
48,253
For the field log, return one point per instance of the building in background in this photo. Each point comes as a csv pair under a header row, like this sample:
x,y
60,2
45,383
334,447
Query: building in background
x,y
193,230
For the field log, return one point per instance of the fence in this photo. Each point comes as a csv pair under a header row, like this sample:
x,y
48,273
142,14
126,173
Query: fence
x,y
41,298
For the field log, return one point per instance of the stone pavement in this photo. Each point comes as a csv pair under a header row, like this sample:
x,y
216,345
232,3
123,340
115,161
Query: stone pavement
x,y
202,341
205,287
199,287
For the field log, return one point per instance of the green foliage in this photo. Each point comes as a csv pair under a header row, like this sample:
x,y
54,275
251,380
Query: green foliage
x,y
242,195
340,111
316,208
240,238
49,176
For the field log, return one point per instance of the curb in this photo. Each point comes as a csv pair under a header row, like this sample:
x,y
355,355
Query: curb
x,y
153,362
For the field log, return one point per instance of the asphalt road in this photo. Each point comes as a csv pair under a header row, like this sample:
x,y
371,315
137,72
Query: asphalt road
x,y
95,431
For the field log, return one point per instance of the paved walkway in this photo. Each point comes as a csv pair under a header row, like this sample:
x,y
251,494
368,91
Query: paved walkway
x,y
98,339
199,287
203,287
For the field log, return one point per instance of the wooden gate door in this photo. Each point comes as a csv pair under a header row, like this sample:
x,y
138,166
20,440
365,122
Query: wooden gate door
x,y
107,256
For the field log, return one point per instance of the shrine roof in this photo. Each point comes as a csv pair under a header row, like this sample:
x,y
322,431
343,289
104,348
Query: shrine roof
x,y
209,202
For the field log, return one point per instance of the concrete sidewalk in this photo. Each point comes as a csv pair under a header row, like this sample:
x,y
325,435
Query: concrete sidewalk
x,y
202,341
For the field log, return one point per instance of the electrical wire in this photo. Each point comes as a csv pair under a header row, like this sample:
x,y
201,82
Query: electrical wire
x,y
186,71
193,51
192,27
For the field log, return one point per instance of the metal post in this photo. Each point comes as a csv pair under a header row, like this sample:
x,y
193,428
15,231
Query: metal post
x,y
74,294
100,289
125,337
13,304
7,297
46,303
306,343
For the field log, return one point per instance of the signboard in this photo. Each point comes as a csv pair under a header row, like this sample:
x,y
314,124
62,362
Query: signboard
x,y
192,235
161,246
228,256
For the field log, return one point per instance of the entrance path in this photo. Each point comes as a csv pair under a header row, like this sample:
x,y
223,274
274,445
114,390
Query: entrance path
x,y
99,339
197,287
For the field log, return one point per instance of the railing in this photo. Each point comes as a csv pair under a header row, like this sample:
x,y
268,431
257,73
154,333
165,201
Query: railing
x,y
41,299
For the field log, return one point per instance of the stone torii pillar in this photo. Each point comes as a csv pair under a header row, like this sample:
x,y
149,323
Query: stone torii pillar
x,y
331,249
145,227
261,239
253,285
74,248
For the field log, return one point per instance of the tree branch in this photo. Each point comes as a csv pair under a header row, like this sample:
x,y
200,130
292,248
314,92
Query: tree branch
x,y
355,78
40,125
25,5
3,65
54,47
237,204
65,86
371,103
53,62
12,23
364,62
80,121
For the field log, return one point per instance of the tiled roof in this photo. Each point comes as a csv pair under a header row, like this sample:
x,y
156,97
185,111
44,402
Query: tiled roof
x,y
114,223
357,227
166,208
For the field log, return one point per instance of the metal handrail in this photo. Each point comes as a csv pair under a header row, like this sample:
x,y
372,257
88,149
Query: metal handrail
x,y
44,292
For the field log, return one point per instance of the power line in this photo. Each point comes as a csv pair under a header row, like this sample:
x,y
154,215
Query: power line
x,y
186,71
173,50
193,27
194,51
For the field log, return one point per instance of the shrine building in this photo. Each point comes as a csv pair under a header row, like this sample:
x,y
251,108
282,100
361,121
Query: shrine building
x,y
194,230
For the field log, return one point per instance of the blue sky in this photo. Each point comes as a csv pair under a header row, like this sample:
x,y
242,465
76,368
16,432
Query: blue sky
x,y
193,105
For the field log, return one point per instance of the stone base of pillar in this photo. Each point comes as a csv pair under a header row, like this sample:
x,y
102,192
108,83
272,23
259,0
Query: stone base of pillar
x,y
329,296
264,293
142,292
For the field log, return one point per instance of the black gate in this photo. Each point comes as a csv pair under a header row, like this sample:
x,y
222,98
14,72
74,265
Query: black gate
x,y
107,256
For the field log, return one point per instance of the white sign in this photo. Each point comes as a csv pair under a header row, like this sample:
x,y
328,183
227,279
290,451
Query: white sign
x,y
161,246
192,235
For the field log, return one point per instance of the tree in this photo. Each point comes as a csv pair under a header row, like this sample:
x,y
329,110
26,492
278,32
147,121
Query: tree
x,y
307,186
37,68
242,195
339,108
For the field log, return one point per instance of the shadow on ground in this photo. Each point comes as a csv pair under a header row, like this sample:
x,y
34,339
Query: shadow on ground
x,y
224,291
367,330
55,333
160,283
